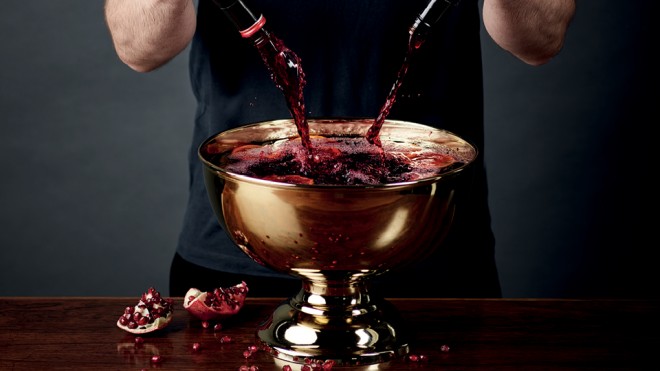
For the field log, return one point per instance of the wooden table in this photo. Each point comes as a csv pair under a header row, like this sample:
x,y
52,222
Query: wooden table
x,y
499,334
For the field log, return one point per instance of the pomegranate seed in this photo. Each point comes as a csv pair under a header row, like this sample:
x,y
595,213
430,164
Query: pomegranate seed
x,y
286,368
253,348
305,368
254,368
217,327
247,354
205,324
156,359
139,340
225,339
196,346
244,368
413,357
423,358
444,348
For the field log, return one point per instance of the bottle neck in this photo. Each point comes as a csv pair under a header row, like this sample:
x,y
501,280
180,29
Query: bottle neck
x,y
247,24
434,10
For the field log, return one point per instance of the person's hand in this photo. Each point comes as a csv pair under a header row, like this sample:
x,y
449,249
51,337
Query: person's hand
x,y
149,33
531,30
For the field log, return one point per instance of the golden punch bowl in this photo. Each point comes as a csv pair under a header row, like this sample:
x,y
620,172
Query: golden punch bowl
x,y
334,238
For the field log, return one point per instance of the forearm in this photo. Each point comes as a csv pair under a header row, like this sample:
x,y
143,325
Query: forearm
x,y
148,33
531,30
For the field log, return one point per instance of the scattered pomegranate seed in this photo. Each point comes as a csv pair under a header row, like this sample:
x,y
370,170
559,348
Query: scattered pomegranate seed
x,y
423,358
139,340
413,357
196,346
244,368
253,348
286,368
156,359
254,368
444,348
205,324
247,354
217,327
225,339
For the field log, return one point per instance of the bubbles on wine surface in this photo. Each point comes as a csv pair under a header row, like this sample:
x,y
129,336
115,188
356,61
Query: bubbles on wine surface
x,y
342,160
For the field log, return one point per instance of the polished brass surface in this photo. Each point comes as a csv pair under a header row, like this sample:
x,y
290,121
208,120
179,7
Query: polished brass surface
x,y
333,238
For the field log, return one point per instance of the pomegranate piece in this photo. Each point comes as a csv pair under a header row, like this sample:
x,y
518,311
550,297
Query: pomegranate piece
x,y
217,304
151,313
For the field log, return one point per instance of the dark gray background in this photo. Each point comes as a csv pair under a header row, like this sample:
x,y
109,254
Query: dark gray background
x,y
93,157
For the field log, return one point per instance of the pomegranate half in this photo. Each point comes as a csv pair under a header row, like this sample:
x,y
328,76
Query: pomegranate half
x,y
151,313
217,304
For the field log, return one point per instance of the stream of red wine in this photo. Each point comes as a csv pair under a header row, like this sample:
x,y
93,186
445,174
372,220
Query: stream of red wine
x,y
287,73
373,134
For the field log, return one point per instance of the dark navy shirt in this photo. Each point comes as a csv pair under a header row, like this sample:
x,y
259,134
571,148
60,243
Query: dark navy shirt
x,y
351,51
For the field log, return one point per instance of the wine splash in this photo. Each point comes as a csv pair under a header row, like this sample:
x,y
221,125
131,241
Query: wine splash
x,y
341,160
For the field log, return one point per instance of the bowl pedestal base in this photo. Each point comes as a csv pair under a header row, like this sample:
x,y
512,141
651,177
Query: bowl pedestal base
x,y
343,323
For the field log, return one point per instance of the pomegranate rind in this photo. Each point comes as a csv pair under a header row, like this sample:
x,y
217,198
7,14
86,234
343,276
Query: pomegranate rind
x,y
194,303
157,324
